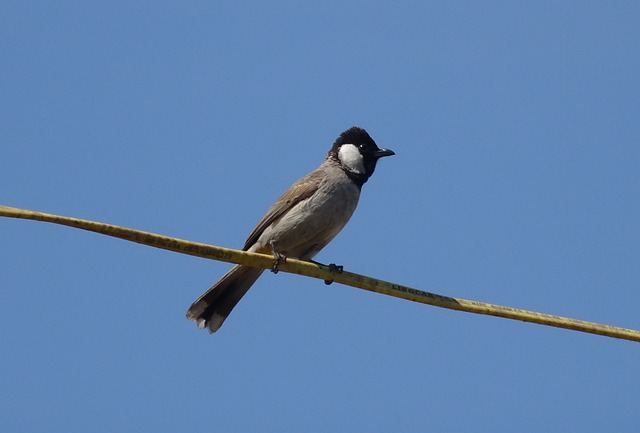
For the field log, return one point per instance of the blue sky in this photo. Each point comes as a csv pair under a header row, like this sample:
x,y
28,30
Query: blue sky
x,y
516,128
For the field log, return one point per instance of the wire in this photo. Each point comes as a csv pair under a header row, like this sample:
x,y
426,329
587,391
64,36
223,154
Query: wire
x,y
324,273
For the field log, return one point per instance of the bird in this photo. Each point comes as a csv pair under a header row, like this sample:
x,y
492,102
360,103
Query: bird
x,y
300,223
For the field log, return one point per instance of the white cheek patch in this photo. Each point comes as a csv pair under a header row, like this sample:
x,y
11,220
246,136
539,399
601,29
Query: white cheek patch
x,y
351,158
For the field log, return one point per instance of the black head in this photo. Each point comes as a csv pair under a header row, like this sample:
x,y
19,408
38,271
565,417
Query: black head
x,y
357,153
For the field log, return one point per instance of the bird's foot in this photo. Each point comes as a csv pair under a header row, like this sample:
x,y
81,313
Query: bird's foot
x,y
336,269
278,258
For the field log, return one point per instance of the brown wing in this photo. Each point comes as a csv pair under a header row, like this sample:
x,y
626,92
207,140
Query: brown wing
x,y
302,189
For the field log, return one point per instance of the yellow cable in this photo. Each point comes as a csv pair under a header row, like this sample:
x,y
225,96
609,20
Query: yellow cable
x,y
324,273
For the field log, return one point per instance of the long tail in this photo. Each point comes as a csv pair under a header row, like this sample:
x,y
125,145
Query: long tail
x,y
212,308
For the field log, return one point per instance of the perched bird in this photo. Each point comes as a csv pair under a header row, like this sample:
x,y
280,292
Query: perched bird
x,y
300,223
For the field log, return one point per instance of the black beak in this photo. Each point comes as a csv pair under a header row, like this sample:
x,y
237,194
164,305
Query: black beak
x,y
383,152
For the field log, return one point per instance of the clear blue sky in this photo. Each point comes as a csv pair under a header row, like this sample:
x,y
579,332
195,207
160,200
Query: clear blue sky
x,y
516,181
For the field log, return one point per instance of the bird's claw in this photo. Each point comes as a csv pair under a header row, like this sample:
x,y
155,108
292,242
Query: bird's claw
x,y
336,269
278,258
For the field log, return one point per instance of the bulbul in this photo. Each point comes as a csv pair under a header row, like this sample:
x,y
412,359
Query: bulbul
x,y
300,223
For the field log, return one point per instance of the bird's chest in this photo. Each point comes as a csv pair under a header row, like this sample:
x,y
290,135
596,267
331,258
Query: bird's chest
x,y
312,223
333,204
